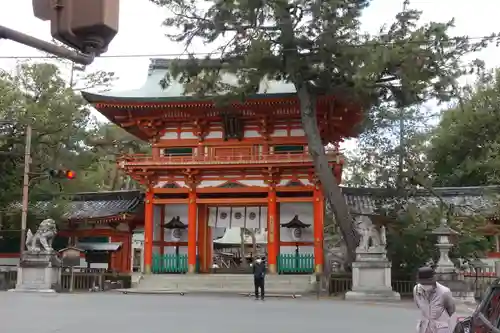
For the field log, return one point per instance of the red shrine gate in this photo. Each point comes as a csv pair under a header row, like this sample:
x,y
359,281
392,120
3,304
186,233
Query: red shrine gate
x,y
251,154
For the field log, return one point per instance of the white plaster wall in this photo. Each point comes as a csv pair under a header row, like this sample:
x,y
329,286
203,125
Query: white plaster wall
x,y
305,212
211,183
216,183
284,182
279,133
297,132
259,183
188,135
305,181
169,136
251,134
214,135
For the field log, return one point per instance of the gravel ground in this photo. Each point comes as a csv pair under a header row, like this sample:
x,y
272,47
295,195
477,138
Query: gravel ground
x,y
109,313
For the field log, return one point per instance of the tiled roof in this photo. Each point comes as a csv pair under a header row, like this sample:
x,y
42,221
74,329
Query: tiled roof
x,y
111,247
103,204
465,200
91,205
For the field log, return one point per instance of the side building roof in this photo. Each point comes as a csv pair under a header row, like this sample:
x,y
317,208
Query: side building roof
x,y
98,205
465,200
91,205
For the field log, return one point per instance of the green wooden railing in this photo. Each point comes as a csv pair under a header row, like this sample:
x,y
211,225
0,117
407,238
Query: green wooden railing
x,y
170,263
296,263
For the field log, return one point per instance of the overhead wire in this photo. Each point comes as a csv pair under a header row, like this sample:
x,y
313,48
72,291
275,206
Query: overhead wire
x,y
185,54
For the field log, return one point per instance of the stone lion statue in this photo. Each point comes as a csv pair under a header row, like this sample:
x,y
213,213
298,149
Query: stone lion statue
x,y
372,236
42,240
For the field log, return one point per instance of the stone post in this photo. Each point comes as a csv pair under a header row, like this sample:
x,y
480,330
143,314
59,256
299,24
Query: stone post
x,y
497,268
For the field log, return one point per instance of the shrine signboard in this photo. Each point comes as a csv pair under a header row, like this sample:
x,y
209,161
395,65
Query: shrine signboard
x,y
70,256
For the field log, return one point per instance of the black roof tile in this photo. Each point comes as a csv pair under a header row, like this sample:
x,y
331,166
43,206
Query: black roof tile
x,y
466,200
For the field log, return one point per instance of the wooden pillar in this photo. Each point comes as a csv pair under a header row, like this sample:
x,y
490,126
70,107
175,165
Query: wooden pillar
x,y
202,237
148,231
192,215
115,256
127,261
162,230
272,225
209,247
156,153
318,215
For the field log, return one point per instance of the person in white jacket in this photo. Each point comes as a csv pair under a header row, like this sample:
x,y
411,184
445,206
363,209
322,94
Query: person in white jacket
x,y
435,303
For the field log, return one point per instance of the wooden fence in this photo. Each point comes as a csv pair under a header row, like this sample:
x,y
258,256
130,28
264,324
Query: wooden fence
x,y
296,263
340,283
82,281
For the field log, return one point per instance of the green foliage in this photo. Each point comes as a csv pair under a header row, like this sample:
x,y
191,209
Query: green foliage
x,y
411,244
63,137
107,142
319,44
391,151
464,148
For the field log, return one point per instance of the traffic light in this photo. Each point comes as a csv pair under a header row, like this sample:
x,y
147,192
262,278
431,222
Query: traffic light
x,y
62,174
86,25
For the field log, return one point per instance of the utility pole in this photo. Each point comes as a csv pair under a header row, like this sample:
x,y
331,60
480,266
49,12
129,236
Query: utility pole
x,y
26,185
401,155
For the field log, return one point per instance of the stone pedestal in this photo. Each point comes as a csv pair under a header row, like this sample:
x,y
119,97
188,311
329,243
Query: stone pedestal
x,y
38,272
371,277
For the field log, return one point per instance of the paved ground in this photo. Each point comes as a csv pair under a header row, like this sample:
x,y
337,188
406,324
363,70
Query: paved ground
x,y
110,313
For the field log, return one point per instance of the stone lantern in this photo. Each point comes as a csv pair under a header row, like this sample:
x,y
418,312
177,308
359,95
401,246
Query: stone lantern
x,y
445,266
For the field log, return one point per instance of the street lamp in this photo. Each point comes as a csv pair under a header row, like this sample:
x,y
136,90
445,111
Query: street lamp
x,y
445,266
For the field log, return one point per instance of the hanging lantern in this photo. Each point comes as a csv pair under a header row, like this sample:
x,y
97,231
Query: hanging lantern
x,y
176,234
296,234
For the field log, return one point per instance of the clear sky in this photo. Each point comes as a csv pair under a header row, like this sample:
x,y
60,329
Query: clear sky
x,y
141,31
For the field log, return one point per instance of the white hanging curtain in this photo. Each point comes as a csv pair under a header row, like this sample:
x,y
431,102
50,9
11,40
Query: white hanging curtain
x,y
254,217
238,217
212,217
222,217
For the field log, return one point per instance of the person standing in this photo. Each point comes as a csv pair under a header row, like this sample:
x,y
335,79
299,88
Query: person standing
x,y
435,303
259,275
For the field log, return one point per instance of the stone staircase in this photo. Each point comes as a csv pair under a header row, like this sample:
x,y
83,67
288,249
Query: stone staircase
x,y
224,283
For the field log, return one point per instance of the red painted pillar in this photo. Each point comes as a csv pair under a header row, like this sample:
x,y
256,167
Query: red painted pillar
x,y
192,214
162,231
127,257
272,227
156,153
318,207
116,256
148,231
202,237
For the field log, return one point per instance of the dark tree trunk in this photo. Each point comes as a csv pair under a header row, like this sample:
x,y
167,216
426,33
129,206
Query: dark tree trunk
x,y
324,172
